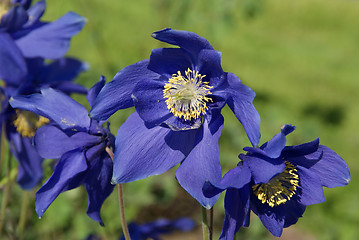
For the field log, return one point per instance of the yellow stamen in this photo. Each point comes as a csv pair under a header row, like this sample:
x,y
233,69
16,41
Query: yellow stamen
x,y
280,188
186,95
4,7
27,123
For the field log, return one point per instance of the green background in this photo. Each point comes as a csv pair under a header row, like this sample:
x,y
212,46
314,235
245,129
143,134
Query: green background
x,y
299,56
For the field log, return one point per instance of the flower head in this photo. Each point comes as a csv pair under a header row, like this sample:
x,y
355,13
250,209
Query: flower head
x,y
79,143
277,182
178,95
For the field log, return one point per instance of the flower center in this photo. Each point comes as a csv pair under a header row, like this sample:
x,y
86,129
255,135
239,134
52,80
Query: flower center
x,y
27,123
4,7
186,95
280,188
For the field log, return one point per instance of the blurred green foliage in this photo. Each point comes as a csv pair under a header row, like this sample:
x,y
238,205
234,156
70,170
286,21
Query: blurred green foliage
x,y
300,57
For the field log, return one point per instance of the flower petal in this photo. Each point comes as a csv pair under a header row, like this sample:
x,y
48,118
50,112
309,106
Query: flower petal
x,y
236,205
169,61
14,19
98,185
52,142
150,103
312,191
142,152
68,174
116,94
12,64
209,64
202,164
301,150
51,40
35,12
240,100
94,90
189,41
56,106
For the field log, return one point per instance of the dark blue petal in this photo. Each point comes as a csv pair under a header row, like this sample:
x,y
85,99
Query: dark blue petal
x,y
150,103
272,223
52,142
98,185
301,150
274,147
188,41
331,169
116,94
56,106
51,40
67,175
240,100
236,205
94,90
68,87
209,64
62,70
202,164
14,19
312,191
35,12
142,152
169,61
263,168
12,65
30,170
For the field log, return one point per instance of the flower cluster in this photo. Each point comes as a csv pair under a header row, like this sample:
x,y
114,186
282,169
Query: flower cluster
x,y
178,95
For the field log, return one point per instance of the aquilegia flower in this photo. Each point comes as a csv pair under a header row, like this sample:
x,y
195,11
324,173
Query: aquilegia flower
x,y
277,182
178,94
156,228
20,126
78,141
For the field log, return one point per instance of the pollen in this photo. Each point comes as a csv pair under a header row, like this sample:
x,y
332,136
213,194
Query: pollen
x,y
4,7
280,188
186,96
26,123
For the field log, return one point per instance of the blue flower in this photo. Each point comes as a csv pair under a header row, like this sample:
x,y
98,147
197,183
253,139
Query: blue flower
x,y
79,143
20,125
178,94
153,229
277,182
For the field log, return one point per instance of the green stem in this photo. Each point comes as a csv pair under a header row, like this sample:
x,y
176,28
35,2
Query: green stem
x,y
2,147
211,224
121,203
23,214
7,192
205,227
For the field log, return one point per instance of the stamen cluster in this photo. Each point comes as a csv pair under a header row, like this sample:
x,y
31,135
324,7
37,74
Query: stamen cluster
x,y
27,123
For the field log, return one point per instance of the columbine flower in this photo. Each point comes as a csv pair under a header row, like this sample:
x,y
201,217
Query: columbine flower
x,y
20,125
78,141
178,95
23,35
153,229
277,182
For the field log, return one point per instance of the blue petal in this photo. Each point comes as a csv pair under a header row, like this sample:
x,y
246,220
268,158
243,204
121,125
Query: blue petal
x,y
240,100
300,150
312,191
236,205
274,147
68,87
272,223
142,152
62,70
56,106
51,40
116,94
209,64
68,174
169,61
98,185
14,19
202,164
150,103
12,65
52,142
35,12
189,41
94,90
262,167
30,163
331,169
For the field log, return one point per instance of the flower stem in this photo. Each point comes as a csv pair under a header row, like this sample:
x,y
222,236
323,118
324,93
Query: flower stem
x,y
23,214
205,227
211,224
121,203
7,192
